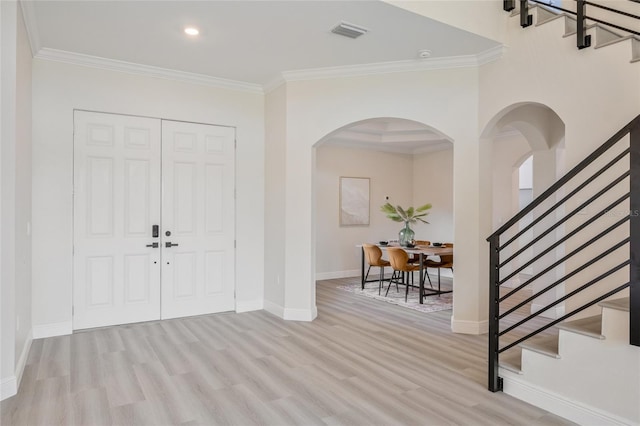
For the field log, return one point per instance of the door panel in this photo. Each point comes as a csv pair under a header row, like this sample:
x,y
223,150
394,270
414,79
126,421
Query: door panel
x,y
116,201
198,210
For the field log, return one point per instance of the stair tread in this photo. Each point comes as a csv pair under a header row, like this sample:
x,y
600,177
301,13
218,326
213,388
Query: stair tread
x,y
546,15
547,345
611,31
611,42
511,366
512,360
618,304
590,326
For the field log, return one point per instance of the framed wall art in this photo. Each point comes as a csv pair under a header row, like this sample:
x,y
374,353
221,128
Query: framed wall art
x,y
354,201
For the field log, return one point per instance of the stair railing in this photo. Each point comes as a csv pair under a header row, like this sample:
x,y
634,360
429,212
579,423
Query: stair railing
x,y
583,40
572,183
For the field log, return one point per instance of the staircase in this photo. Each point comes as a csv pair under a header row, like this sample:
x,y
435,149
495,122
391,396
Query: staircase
x,y
578,354
546,370
598,25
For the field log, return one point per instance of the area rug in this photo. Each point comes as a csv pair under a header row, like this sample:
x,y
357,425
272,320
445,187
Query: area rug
x,y
442,302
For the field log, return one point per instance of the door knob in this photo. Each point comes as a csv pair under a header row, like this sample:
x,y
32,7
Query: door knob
x,y
169,244
153,245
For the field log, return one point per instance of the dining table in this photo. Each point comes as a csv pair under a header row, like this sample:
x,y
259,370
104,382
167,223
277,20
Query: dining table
x,y
423,252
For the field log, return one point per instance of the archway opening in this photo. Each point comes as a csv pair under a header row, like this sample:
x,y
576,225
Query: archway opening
x,y
527,141
404,162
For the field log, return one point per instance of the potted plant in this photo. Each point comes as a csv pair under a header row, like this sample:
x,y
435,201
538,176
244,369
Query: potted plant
x,y
408,216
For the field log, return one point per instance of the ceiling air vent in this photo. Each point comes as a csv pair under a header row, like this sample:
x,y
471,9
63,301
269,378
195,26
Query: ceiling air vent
x,y
349,30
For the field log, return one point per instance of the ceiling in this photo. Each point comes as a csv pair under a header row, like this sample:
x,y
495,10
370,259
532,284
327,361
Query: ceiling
x,y
389,135
246,41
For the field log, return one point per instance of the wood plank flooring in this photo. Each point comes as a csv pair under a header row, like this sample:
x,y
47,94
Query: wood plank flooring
x,y
361,362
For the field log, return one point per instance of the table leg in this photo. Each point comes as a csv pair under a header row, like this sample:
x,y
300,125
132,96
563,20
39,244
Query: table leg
x,y
362,267
421,280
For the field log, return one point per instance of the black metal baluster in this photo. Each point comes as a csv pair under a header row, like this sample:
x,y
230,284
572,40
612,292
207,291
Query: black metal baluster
x,y
508,5
495,382
634,244
583,40
525,19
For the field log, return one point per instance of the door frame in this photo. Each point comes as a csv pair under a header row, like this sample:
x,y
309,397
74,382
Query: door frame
x,y
73,195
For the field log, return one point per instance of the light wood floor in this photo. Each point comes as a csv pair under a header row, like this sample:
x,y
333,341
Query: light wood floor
x,y
362,362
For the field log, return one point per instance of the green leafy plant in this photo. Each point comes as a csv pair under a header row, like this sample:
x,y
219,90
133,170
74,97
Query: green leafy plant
x,y
410,215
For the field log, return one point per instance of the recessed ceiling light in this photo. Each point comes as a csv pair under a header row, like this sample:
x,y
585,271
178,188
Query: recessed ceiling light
x,y
424,54
191,31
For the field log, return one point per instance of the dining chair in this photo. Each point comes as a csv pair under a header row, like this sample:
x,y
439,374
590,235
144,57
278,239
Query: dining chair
x,y
374,258
416,258
446,261
418,243
399,260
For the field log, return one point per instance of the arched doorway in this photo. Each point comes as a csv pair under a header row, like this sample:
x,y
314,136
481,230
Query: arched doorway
x,y
517,133
405,162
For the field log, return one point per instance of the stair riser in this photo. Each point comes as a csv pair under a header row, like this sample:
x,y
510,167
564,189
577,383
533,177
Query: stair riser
x,y
635,50
615,325
589,371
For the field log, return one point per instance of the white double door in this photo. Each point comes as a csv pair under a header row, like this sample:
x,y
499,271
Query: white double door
x,y
153,219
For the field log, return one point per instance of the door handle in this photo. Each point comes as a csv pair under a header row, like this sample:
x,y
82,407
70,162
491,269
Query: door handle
x,y
153,245
170,244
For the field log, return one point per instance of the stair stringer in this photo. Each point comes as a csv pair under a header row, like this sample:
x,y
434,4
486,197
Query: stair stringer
x,y
593,381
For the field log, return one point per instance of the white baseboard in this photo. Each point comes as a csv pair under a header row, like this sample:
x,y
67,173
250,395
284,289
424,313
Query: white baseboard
x,y
339,274
291,314
249,305
274,309
52,330
22,361
559,405
8,387
469,327
553,313
300,314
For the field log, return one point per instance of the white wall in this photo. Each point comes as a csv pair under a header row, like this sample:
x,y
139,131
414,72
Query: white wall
x,y
480,17
316,108
508,151
525,173
590,116
275,213
15,119
433,183
390,175
8,14
60,88
23,193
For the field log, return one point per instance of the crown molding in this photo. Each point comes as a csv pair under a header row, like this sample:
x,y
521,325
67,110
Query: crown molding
x,y
273,84
491,55
29,17
464,61
450,62
147,70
